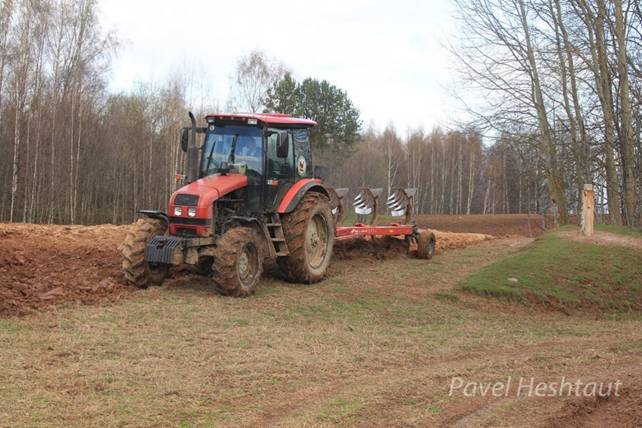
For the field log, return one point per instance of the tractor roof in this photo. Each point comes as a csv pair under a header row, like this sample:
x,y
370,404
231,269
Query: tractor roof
x,y
276,119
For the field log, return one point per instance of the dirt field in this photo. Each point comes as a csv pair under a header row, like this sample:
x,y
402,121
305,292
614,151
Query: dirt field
x,y
376,344
43,265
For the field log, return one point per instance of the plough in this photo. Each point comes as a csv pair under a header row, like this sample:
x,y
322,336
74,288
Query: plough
x,y
399,203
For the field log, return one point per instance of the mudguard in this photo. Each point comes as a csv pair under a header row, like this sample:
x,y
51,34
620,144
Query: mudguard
x,y
293,196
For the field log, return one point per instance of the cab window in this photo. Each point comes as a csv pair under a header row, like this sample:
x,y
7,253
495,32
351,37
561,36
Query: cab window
x,y
236,145
302,153
279,167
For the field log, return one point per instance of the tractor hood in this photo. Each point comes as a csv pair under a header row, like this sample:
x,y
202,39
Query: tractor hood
x,y
208,190
223,184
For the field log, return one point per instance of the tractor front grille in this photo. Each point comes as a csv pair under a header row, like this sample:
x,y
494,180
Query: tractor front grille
x,y
189,220
186,200
186,232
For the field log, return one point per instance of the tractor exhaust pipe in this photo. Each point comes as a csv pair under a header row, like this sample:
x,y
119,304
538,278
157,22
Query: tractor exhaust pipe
x,y
192,153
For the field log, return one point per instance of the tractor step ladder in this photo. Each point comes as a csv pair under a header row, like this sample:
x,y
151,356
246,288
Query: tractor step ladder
x,y
275,232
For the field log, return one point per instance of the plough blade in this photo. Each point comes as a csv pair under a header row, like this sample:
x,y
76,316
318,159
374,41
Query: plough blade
x,y
365,205
400,202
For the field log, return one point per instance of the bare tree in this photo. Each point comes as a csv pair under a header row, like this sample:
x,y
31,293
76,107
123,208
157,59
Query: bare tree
x,y
255,74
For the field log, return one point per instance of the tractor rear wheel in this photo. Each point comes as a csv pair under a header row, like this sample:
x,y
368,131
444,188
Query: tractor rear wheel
x,y
309,233
426,245
238,262
137,271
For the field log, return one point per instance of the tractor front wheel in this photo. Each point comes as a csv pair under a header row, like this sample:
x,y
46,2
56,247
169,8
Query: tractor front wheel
x,y
137,271
309,233
238,262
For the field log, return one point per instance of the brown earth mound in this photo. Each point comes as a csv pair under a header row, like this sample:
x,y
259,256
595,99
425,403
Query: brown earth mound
x,y
377,248
449,241
495,224
42,264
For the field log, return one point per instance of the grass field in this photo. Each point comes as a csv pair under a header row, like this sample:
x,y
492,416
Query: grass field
x,y
376,344
565,274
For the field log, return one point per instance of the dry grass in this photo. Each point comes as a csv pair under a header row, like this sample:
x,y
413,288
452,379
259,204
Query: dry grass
x,y
375,344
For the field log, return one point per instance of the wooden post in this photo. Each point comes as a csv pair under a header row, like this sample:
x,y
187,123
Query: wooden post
x,y
588,207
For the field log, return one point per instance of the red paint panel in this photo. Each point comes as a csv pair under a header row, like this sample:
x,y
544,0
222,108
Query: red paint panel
x,y
208,189
392,230
290,194
223,184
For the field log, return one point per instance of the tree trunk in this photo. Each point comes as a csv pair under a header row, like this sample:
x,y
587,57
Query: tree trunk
x,y
556,185
580,180
471,180
16,147
626,128
603,79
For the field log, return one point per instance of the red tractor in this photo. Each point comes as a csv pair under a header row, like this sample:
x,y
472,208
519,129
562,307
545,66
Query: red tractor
x,y
251,192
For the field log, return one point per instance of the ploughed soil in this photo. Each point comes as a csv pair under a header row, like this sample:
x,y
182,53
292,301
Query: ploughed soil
x,y
495,224
41,265
45,264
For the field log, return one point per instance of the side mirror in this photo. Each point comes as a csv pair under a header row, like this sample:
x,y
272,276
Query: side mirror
x,y
184,139
282,145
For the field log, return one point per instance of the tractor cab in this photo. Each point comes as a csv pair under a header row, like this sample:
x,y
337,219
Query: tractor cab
x,y
271,150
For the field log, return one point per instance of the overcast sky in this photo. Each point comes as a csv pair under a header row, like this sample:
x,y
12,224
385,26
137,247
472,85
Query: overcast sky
x,y
388,56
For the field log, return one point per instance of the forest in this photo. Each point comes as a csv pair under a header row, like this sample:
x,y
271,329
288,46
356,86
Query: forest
x,y
558,98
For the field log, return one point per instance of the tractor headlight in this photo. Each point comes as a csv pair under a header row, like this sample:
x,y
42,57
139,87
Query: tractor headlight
x,y
178,211
191,212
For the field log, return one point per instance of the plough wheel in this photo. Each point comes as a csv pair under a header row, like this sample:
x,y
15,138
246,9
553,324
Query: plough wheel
x,y
426,245
309,233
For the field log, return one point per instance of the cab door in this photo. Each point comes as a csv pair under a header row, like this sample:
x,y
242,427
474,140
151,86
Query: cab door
x,y
279,168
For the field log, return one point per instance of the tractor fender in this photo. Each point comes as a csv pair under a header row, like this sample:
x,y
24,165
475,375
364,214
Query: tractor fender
x,y
293,196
